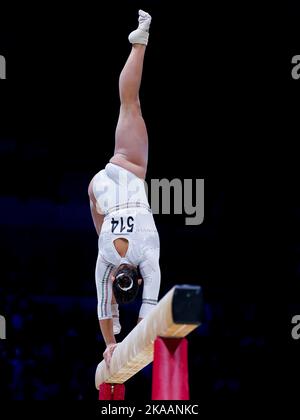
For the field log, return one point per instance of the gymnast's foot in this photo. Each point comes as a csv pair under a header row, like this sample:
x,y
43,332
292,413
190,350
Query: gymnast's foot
x,y
141,34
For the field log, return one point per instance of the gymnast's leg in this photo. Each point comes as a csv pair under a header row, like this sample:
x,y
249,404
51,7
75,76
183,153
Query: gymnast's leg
x,y
131,139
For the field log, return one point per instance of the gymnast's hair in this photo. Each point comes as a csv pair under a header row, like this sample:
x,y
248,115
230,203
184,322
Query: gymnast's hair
x,y
125,285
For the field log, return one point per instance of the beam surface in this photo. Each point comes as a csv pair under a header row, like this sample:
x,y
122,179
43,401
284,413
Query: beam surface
x,y
136,350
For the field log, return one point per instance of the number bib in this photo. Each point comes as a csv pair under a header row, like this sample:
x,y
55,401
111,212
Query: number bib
x,y
123,225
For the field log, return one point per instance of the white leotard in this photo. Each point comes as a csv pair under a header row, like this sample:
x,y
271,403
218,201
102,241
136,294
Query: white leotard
x,y
122,198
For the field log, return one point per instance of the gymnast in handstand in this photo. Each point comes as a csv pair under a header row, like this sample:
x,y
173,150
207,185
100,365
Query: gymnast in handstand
x,y
128,239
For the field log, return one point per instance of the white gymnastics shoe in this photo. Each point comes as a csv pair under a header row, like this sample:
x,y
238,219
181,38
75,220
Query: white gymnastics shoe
x,y
141,34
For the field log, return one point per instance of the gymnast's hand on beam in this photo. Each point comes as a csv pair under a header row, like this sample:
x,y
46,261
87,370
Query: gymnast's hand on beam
x,y
107,355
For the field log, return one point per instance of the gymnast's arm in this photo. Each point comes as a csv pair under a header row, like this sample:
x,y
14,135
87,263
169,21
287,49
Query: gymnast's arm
x,y
104,296
97,217
150,271
106,325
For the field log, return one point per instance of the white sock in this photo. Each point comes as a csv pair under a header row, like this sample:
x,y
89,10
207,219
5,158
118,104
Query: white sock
x,y
116,321
141,34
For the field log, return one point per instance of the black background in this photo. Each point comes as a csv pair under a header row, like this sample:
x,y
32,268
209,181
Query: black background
x,y
220,104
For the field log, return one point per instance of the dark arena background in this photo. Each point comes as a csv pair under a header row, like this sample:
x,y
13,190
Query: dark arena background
x,y
220,105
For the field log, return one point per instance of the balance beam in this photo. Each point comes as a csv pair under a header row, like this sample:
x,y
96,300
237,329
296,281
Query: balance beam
x,y
178,313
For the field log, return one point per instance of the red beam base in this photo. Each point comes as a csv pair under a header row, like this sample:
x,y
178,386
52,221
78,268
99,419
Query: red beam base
x,y
112,392
170,369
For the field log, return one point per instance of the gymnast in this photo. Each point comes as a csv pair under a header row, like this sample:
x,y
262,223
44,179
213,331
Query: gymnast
x,y
128,241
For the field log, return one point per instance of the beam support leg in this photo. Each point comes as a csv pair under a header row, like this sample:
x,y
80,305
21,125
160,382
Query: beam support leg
x,y
170,369
112,391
